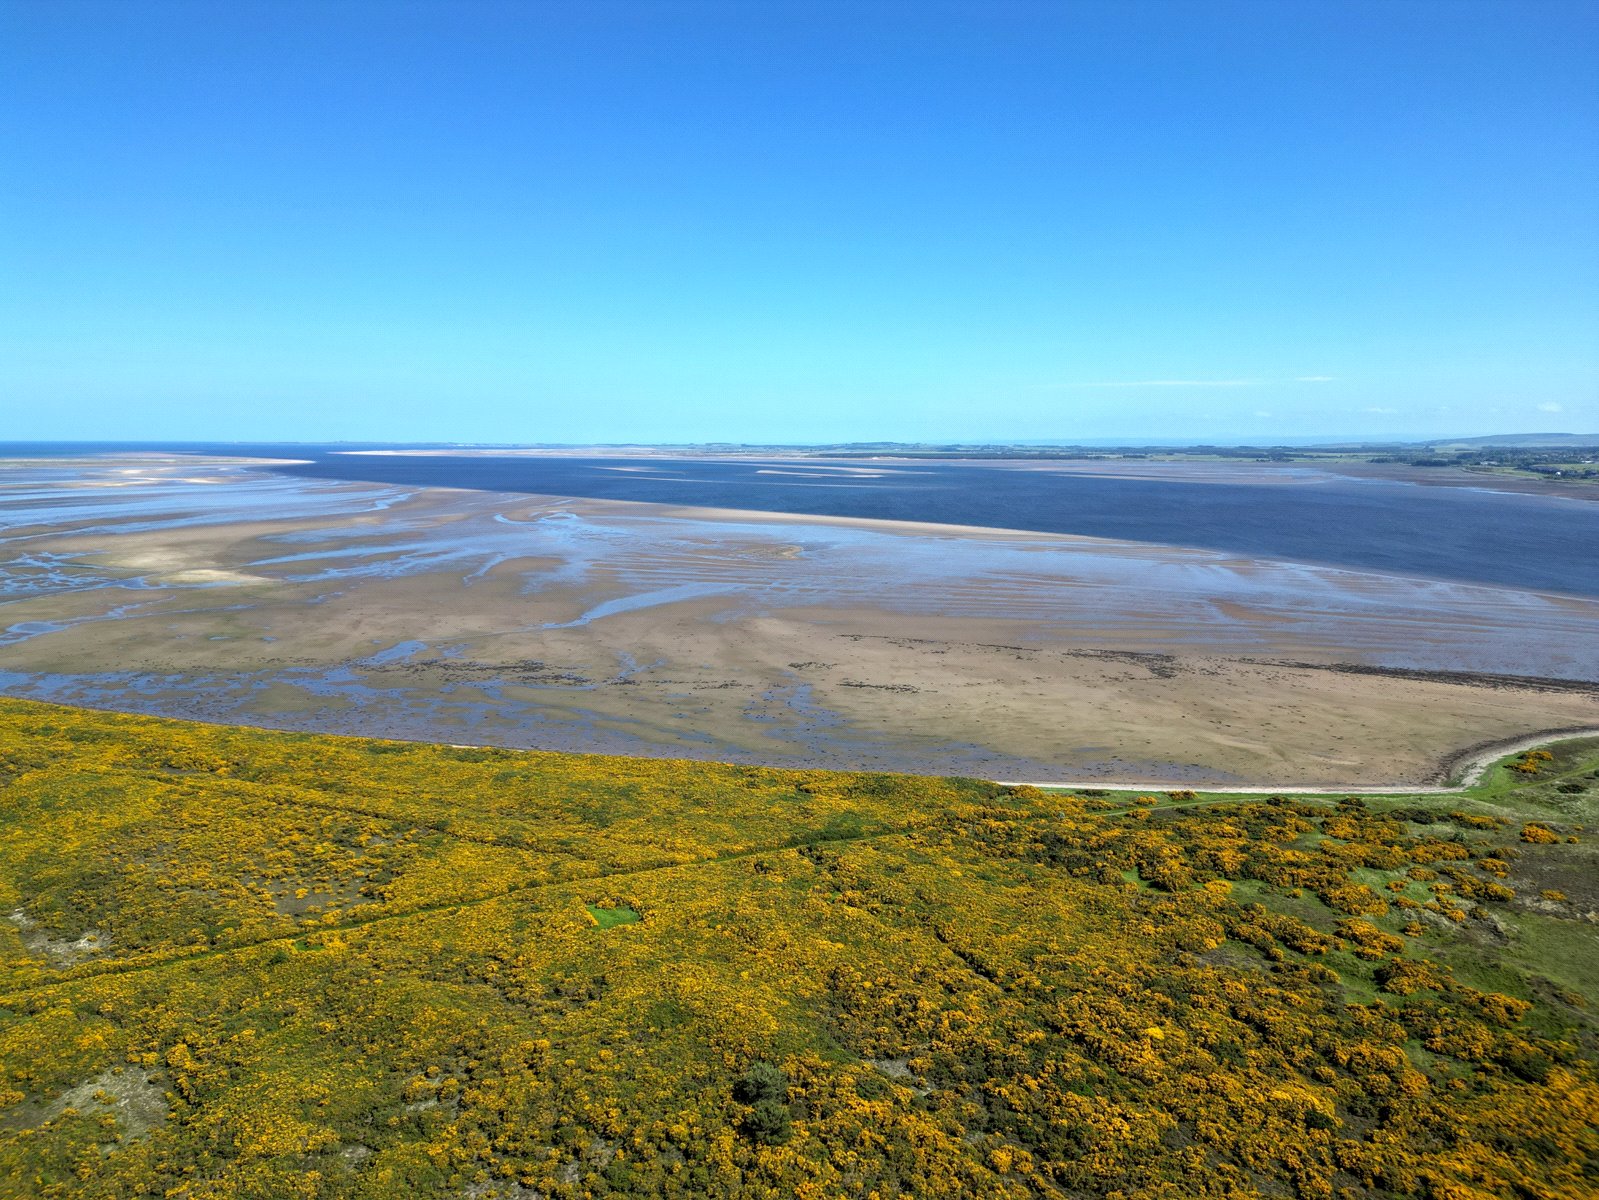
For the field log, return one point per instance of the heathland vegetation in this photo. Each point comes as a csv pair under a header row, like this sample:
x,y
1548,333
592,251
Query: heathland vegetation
x,y
237,963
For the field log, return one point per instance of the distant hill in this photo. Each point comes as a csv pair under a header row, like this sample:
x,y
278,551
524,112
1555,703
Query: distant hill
x,y
1523,440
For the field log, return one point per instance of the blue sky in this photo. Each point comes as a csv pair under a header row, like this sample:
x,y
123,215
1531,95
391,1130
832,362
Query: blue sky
x,y
668,221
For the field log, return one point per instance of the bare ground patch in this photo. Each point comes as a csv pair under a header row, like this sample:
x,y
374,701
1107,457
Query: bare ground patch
x,y
58,952
131,1095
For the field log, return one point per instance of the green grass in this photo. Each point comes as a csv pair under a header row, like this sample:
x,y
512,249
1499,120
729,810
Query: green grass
x,y
1564,952
609,918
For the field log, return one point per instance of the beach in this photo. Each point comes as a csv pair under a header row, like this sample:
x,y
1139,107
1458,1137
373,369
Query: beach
x,y
212,588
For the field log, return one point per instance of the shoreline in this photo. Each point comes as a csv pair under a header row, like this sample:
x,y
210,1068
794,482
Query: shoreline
x,y
1466,766
1472,764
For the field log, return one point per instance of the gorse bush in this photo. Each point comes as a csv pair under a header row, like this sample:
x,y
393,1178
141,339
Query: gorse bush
x,y
248,964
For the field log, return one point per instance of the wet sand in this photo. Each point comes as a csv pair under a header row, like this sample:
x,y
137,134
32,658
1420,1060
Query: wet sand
x,y
651,629
1309,471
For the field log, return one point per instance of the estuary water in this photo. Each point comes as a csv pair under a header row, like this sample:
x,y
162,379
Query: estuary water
x,y
1526,541
1301,514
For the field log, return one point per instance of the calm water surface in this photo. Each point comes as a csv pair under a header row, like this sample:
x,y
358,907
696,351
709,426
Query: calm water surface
x,y
1298,514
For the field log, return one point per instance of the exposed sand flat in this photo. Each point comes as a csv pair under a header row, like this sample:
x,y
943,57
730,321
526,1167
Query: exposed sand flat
x,y
1466,771
174,566
632,628
1248,471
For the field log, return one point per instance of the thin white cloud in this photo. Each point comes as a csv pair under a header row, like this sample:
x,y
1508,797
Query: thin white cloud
x,y
1183,383
1262,413
1551,407
1134,383
1381,412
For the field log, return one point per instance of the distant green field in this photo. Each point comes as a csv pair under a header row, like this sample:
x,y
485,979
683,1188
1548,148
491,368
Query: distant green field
x,y
236,963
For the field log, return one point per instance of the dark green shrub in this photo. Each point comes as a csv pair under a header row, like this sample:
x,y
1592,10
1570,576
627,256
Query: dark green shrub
x,y
761,1082
769,1122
